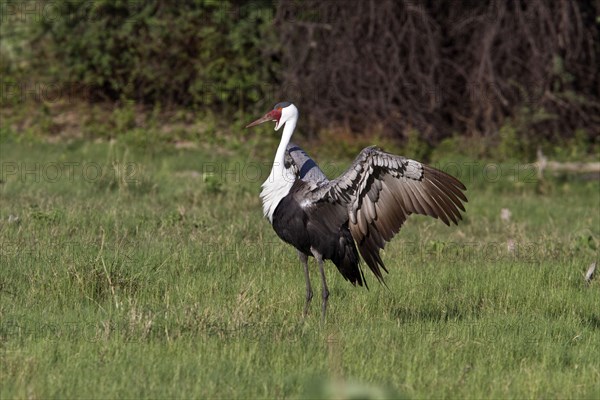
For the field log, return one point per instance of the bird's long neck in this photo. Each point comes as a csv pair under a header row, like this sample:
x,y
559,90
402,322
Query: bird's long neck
x,y
288,131
280,181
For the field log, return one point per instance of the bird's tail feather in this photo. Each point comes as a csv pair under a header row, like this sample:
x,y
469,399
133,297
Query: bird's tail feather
x,y
347,260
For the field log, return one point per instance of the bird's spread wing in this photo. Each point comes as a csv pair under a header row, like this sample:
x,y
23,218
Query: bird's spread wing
x,y
380,190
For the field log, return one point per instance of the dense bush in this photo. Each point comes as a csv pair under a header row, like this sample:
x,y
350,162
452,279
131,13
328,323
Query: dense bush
x,y
444,66
420,71
204,53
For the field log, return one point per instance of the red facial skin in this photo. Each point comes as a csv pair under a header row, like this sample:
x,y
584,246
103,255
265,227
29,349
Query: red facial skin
x,y
273,115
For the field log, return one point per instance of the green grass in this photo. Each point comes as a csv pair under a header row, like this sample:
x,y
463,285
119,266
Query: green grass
x,y
129,273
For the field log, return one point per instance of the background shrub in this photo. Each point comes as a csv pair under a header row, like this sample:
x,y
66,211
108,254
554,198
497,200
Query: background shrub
x,y
519,74
201,53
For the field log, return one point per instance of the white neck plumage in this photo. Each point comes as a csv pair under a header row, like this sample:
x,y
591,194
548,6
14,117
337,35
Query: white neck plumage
x,y
280,180
288,131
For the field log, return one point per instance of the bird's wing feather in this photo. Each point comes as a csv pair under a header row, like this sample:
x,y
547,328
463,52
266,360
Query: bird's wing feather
x,y
305,167
380,190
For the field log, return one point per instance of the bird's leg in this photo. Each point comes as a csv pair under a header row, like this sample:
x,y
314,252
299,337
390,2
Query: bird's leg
x,y
324,290
309,293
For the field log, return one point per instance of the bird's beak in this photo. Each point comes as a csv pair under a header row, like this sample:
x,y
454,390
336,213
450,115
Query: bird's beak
x,y
267,117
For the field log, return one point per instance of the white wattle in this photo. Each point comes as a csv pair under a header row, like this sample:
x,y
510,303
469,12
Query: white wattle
x,y
275,188
281,179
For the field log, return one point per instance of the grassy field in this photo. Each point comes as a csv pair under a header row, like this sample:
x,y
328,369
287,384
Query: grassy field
x,y
129,273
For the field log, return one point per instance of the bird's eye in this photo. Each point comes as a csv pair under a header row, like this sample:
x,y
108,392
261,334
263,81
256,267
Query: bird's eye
x,y
279,108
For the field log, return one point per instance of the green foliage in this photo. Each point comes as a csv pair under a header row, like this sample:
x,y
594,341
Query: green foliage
x,y
203,53
577,147
456,145
221,60
508,146
516,139
124,116
415,146
15,54
212,183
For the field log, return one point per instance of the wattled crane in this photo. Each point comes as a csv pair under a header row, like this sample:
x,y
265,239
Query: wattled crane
x,y
364,207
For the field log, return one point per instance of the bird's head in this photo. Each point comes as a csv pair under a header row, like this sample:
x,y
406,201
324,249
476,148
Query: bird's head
x,y
281,113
